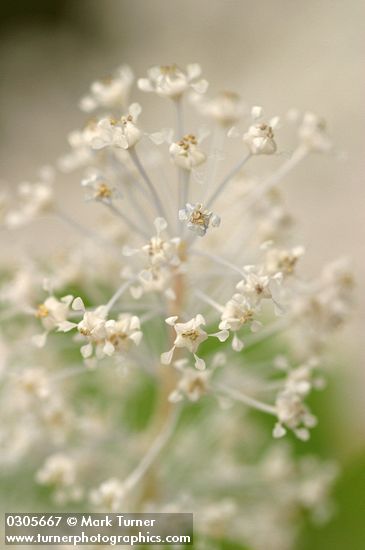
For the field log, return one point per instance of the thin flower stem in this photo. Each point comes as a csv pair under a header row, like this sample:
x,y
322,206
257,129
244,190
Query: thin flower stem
x,y
185,190
275,385
129,186
159,443
123,287
243,398
267,332
200,294
127,306
227,179
179,118
150,315
70,373
218,260
156,199
140,211
133,226
299,154
85,231
119,164
216,145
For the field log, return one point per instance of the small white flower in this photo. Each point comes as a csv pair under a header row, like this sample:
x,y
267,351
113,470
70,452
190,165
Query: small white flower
x,y
109,496
256,112
312,133
99,189
226,108
92,324
21,290
121,334
92,327
301,379
256,285
34,382
339,274
325,307
109,92
282,260
81,153
124,133
58,418
53,314
160,251
260,139
190,335
273,218
193,385
58,470
186,153
171,81
238,312
198,219
107,335
35,199
293,414
157,278
82,138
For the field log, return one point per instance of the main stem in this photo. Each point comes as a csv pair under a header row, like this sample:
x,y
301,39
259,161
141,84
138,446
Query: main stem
x,y
165,415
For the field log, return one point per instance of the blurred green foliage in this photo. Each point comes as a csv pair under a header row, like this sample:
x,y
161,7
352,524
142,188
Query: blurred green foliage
x,y
346,531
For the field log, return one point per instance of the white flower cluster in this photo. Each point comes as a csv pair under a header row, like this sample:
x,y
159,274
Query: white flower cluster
x,y
147,302
171,81
110,92
33,200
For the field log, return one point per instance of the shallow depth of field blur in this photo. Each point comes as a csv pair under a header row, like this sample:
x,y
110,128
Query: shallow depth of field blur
x,y
278,54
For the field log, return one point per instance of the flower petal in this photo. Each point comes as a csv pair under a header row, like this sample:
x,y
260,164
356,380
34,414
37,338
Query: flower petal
x,y
199,362
193,70
278,431
145,85
166,357
78,304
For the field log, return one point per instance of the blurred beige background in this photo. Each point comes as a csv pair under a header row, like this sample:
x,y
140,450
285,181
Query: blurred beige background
x,y
278,53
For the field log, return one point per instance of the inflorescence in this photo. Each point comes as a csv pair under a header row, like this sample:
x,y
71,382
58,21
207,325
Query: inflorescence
x,y
191,267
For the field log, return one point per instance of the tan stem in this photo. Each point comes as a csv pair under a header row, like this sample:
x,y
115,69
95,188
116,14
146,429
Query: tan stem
x,y
167,376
